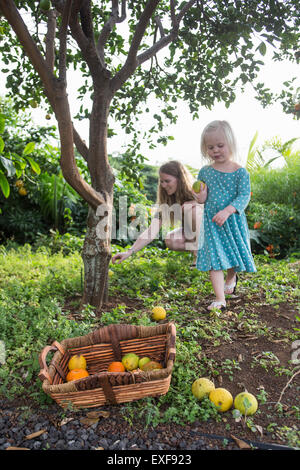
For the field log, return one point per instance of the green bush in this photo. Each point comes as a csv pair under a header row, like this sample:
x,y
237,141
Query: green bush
x,y
273,213
279,185
274,228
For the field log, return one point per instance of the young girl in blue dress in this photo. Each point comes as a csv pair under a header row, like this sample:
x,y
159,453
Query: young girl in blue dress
x,y
224,242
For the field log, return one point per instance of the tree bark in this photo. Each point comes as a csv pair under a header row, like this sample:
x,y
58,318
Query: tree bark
x,y
96,252
96,255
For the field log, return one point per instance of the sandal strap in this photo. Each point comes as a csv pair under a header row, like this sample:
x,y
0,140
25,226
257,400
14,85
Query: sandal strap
x,y
217,304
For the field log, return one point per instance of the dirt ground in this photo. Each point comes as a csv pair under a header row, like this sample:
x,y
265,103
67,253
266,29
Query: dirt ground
x,y
273,429
243,348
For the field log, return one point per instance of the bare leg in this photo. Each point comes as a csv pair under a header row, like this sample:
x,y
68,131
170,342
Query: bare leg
x,y
217,280
230,280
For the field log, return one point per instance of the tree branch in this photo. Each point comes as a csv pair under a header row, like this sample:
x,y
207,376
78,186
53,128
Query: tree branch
x,y
63,40
159,25
80,145
131,61
86,19
86,44
14,18
108,27
50,40
165,40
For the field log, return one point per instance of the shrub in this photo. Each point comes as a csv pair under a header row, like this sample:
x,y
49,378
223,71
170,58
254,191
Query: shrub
x,y
274,228
280,185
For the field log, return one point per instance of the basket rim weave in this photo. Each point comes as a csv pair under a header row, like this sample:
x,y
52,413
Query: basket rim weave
x,y
115,336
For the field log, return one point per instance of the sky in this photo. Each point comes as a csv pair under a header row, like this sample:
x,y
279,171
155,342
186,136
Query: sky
x,y
246,116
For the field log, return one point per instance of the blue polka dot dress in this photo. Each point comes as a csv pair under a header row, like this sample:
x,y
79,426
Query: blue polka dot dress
x,y
225,247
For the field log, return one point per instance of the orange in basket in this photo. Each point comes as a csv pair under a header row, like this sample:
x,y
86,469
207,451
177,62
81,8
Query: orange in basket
x,y
76,374
116,367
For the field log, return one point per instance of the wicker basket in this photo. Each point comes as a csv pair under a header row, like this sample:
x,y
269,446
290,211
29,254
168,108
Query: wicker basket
x,y
100,348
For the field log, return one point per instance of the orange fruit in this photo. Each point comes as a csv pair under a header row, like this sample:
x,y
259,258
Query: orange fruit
x,y
76,374
77,362
22,191
116,367
151,365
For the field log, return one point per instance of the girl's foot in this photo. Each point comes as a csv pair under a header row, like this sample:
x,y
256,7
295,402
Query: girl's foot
x,y
229,288
217,304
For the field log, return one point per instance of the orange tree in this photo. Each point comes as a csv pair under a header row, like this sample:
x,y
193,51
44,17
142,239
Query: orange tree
x,y
211,48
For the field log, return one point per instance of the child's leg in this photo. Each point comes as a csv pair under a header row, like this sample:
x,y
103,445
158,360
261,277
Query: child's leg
x,y
217,280
230,281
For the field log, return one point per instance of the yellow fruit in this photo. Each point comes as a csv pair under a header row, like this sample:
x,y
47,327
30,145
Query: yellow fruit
x,y
222,398
19,183
110,273
198,185
22,191
246,403
77,361
33,103
158,313
151,365
202,387
130,361
143,361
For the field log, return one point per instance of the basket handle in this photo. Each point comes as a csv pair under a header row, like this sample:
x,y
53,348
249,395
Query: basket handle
x,y
44,372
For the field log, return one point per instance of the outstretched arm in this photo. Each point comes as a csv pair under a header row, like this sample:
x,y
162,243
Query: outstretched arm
x,y
144,239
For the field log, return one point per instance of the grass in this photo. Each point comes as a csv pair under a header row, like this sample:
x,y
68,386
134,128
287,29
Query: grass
x,y
36,286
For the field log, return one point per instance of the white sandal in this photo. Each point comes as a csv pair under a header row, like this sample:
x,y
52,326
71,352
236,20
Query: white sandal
x,y
230,288
217,304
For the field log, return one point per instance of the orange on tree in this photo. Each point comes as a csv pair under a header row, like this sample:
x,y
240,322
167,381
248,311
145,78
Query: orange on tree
x,y
76,374
77,361
116,367
22,191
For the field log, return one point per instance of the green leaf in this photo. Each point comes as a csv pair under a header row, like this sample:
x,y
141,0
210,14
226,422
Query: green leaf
x,y
34,165
262,48
2,145
4,185
2,124
29,148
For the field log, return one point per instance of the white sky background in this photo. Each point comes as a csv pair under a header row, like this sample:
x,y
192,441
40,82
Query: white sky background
x,y
246,116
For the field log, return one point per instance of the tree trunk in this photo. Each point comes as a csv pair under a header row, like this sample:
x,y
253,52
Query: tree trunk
x,y
96,252
96,256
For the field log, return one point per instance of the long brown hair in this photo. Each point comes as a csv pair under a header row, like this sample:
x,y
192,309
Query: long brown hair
x,y
183,192
184,184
